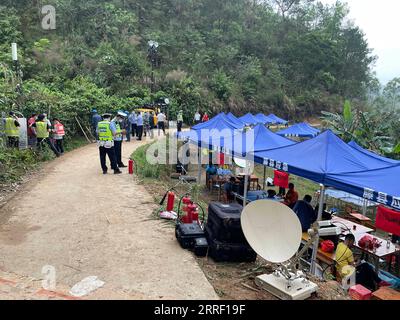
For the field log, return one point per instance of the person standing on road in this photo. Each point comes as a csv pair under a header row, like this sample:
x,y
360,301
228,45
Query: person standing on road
x,y
146,124
180,120
140,126
118,138
106,131
42,130
161,122
12,127
31,134
58,135
153,124
127,127
96,118
133,122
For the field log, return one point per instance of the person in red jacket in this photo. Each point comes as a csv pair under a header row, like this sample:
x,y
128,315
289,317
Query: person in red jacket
x,y
291,197
31,134
205,117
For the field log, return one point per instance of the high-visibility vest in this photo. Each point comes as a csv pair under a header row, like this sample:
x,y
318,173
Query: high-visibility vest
x,y
180,117
41,129
119,130
59,128
105,133
11,129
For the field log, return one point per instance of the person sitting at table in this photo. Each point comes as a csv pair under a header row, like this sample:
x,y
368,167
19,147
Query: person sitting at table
x,y
291,196
271,194
229,189
365,274
305,212
211,171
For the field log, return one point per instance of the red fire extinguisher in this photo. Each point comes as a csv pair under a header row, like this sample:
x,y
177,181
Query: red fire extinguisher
x,y
171,201
130,165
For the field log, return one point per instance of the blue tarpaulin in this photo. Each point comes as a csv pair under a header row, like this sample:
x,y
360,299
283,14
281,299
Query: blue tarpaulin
x,y
354,145
301,130
249,119
273,119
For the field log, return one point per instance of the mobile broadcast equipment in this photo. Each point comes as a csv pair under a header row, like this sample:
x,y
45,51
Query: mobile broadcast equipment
x,y
274,232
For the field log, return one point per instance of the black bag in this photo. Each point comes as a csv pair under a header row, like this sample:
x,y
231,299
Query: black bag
x,y
229,252
224,222
188,233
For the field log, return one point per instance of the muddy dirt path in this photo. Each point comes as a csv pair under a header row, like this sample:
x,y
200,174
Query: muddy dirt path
x,y
85,224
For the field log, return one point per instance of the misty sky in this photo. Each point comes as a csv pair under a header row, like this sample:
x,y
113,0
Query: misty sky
x,y
379,19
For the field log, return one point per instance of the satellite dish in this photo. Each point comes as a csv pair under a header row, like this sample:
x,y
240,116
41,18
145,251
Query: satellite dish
x,y
242,163
272,230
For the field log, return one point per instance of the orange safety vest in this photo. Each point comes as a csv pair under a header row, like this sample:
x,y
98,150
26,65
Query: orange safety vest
x,y
59,128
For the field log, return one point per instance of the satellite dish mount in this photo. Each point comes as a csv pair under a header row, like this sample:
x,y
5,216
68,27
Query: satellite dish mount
x,y
268,223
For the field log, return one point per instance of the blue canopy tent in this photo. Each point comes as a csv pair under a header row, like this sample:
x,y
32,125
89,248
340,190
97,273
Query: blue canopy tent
x,y
232,118
220,119
300,130
356,146
380,185
245,144
273,119
249,119
263,118
325,154
257,139
203,133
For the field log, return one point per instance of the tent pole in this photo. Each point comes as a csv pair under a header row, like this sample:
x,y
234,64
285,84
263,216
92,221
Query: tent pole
x,y
199,166
316,243
365,207
265,177
246,182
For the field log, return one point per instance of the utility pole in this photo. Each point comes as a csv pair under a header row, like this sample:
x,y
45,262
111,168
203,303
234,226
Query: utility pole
x,y
17,69
154,61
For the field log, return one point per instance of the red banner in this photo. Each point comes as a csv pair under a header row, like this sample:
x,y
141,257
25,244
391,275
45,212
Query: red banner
x,y
388,220
281,179
221,159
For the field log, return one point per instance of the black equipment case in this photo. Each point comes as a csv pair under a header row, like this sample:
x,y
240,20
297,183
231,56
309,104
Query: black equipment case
x,y
229,252
188,233
201,247
224,222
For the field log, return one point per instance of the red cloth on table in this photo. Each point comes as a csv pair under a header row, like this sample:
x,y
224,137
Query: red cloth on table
x,y
281,179
388,220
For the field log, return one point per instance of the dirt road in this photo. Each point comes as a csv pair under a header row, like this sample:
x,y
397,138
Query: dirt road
x,y
86,224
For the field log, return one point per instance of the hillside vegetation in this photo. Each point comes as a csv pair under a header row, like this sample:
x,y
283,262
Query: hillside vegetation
x,y
295,58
